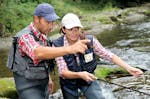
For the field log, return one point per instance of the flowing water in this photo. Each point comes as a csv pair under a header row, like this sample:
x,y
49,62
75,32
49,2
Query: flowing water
x,y
130,42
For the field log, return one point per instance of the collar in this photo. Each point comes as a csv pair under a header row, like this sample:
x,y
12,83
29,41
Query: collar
x,y
37,33
66,43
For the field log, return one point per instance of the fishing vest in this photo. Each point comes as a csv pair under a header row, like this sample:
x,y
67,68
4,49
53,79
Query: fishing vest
x,y
23,65
73,65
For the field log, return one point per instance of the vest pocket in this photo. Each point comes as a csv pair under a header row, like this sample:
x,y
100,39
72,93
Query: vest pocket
x,y
36,72
10,59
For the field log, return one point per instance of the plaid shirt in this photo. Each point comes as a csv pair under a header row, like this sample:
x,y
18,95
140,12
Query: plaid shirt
x,y
27,43
99,50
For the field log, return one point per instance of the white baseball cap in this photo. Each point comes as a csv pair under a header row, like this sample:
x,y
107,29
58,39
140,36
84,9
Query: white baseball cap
x,y
71,20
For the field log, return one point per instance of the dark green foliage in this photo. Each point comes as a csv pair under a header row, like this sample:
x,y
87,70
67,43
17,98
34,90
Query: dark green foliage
x,y
16,14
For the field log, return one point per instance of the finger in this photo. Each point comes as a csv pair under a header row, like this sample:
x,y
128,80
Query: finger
x,y
85,41
93,76
83,47
82,50
89,79
141,72
51,87
50,90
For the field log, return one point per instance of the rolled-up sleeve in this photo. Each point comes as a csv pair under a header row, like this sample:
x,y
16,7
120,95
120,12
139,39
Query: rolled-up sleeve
x,y
100,51
61,65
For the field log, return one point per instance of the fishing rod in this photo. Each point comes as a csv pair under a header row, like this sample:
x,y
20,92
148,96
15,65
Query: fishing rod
x,y
124,87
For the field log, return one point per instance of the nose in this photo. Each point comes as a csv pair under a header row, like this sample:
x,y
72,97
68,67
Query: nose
x,y
75,30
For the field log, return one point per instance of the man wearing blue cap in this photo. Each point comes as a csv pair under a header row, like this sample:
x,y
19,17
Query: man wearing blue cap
x,y
31,54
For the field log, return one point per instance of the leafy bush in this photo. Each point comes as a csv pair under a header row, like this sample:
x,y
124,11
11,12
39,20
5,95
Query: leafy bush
x,y
16,16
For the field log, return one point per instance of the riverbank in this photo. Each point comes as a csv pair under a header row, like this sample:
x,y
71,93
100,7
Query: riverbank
x,y
117,88
107,20
100,21
94,27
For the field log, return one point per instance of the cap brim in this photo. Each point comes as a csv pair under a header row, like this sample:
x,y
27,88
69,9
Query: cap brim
x,y
51,17
73,25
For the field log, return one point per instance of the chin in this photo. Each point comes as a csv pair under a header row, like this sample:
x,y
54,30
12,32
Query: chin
x,y
75,40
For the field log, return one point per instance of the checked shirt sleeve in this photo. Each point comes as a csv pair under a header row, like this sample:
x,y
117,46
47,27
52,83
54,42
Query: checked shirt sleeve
x,y
26,45
100,51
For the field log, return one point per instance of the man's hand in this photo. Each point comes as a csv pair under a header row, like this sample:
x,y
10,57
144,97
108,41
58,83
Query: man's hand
x,y
50,86
80,46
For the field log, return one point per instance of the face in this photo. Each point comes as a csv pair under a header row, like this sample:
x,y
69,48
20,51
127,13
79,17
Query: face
x,y
43,25
72,34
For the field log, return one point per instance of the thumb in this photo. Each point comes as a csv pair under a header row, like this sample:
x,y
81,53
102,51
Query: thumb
x,y
93,76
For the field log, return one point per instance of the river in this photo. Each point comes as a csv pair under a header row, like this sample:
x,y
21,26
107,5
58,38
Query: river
x,y
130,42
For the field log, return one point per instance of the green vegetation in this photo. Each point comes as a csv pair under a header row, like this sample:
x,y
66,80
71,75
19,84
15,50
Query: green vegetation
x,y
103,72
105,20
16,14
7,87
3,59
8,90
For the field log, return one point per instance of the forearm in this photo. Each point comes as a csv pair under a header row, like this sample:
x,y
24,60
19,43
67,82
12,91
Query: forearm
x,y
120,62
70,74
50,52
83,75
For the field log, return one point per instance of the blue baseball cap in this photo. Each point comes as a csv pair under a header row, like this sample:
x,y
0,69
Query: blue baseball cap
x,y
47,11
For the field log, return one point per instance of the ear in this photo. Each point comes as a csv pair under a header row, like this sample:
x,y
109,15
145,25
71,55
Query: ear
x,y
63,30
36,19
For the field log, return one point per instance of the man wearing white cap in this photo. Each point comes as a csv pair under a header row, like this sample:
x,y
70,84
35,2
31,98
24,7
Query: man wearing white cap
x,y
77,70
31,53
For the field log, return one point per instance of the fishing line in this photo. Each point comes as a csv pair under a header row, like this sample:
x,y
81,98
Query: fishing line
x,y
124,87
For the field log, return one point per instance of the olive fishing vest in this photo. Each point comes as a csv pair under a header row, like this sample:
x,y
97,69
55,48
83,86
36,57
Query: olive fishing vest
x,y
73,65
23,65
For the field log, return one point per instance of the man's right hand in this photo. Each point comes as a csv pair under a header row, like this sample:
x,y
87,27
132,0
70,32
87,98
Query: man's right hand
x,y
80,46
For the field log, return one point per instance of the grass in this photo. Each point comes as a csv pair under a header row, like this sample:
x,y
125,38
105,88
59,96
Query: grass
x,y
8,89
105,20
